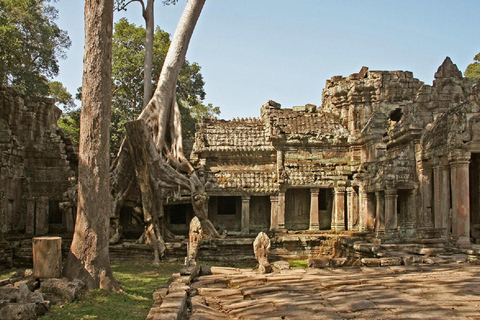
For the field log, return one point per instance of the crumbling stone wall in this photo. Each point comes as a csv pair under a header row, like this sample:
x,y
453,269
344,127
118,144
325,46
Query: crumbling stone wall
x,y
37,164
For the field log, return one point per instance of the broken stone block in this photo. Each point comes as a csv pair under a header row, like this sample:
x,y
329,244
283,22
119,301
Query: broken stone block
x,y
338,262
390,261
62,287
371,262
321,262
281,265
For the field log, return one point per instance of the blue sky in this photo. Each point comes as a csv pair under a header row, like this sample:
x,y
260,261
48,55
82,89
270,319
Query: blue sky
x,y
251,51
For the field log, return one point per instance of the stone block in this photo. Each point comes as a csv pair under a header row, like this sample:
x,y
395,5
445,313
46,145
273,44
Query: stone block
x,y
390,261
338,262
321,262
62,287
281,265
47,257
371,262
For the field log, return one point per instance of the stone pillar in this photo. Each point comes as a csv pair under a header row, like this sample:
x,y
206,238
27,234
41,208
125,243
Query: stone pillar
x,y
370,206
41,216
314,222
281,210
339,212
459,175
273,212
362,209
246,214
441,196
380,211
30,220
352,209
426,178
391,209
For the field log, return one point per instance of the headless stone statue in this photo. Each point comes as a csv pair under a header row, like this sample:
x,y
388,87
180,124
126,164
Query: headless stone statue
x,y
261,248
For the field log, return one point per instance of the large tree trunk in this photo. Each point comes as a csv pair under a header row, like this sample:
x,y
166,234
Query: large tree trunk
x,y
158,161
88,259
148,15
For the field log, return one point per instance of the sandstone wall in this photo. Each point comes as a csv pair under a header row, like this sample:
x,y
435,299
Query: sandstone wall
x,y
37,164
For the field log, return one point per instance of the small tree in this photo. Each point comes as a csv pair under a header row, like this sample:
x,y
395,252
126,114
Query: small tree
x,y
88,259
473,70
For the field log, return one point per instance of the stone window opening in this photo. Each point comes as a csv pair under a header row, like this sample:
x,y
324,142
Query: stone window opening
x,y
227,206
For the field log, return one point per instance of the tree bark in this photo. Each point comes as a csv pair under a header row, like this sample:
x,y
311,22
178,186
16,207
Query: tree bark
x,y
158,140
148,15
88,259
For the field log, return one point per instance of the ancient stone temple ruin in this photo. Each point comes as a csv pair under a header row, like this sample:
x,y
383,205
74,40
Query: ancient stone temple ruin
x,y
37,165
383,153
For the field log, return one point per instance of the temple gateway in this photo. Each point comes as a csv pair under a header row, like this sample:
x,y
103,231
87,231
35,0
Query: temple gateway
x,y
383,153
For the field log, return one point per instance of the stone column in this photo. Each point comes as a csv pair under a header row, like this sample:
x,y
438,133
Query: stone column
x,y
246,214
352,209
30,221
339,212
370,206
273,212
459,175
41,216
426,178
380,211
281,210
441,196
362,209
314,222
391,209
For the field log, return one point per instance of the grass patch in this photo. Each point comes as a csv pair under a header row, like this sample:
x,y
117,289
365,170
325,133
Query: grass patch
x,y
137,282
299,263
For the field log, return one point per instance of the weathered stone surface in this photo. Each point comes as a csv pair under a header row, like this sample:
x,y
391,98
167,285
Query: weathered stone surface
x,y
261,248
322,262
281,265
195,236
62,287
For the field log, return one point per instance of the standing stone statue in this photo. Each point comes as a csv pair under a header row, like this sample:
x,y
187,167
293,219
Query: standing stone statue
x,y
195,236
261,248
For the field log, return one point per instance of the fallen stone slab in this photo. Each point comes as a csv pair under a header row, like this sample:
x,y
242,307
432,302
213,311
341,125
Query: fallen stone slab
x,y
390,261
62,287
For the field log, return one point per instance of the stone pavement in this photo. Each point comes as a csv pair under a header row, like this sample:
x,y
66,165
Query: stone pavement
x,y
450,291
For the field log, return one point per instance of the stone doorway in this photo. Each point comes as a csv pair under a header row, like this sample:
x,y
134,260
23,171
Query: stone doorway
x,y
178,217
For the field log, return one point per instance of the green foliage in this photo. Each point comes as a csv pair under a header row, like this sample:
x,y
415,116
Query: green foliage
x,y
70,119
473,70
299,263
127,74
137,282
30,45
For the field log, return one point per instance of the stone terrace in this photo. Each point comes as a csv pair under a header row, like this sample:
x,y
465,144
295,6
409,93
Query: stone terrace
x,y
450,291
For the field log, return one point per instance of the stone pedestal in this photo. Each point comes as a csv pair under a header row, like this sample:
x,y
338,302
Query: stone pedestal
x,y
47,257
314,222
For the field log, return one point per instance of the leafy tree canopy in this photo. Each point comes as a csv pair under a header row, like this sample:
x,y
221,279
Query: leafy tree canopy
x,y
70,119
31,44
127,74
473,70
